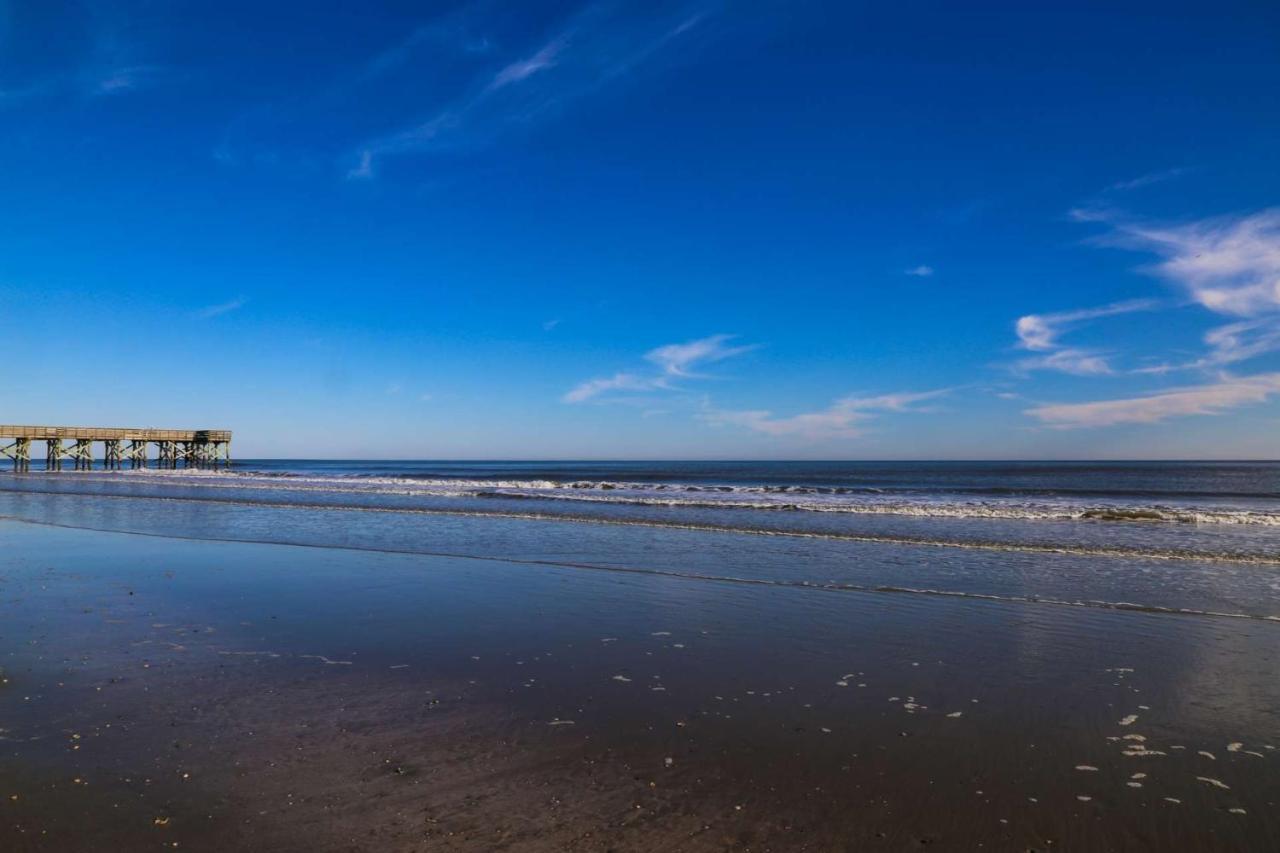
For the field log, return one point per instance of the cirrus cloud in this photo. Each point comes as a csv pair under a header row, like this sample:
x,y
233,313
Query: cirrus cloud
x,y
617,382
674,361
1228,264
210,311
842,419
596,45
678,359
1210,399
1040,332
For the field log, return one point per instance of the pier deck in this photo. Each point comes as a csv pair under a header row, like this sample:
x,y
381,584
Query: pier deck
x,y
189,448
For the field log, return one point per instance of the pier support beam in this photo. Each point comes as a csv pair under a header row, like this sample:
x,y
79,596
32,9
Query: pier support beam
x,y
82,452
136,453
20,453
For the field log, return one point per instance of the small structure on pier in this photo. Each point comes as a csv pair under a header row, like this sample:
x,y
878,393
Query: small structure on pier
x,y
188,448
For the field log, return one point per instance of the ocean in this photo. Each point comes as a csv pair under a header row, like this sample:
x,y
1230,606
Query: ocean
x,y
1191,537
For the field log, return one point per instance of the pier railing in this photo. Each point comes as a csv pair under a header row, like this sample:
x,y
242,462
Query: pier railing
x,y
187,448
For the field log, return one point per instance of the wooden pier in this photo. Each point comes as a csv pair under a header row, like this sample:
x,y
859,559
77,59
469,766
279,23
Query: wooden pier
x,y
186,448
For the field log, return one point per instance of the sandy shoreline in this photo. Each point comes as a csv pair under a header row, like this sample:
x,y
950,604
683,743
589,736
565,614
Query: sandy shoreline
x,y
263,697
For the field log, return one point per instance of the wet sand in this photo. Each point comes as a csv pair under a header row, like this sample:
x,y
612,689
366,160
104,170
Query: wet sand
x,y
163,693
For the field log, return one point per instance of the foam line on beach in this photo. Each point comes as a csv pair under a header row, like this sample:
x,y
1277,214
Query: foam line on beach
x,y
819,586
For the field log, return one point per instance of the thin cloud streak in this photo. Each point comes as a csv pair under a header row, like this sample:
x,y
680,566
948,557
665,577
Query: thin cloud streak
x,y
1229,344
1236,342
594,47
1077,362
678,359
1211,399
127,79
618,382
1040,332
211,311
91,81
674,361
843,419
452,30
526,68
1147,180
363,169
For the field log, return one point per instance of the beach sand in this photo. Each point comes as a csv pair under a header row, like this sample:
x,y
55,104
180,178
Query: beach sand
x,y
163,693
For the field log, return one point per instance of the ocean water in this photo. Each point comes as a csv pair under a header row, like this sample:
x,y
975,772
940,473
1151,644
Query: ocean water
x,y
1201,539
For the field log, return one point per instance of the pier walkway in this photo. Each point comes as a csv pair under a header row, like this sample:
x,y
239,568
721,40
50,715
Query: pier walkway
x,y
188,448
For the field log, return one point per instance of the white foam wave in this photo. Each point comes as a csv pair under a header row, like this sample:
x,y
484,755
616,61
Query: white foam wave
x,y
769,497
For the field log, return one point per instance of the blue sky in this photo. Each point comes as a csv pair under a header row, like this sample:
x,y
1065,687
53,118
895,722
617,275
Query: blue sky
x,y
660,229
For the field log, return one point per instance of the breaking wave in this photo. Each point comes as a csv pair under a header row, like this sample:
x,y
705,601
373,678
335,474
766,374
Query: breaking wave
x,y
1011,505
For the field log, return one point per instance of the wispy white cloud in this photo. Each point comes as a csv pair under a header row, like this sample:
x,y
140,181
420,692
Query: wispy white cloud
x,y
1210,399
121,80
1236,342
92,80
674,361
1077,362
922,271
97,50
445,43
597,45
1147,180
1039,333
618,382
845,418
548,325
688,23
363,169
1228,264
526,68
451,31
210,311
680,359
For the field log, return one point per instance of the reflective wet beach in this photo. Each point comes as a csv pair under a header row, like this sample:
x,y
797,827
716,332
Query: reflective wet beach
x,y
254,696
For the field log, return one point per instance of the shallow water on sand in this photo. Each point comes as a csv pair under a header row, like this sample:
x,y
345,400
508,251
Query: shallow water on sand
x,y
243,696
